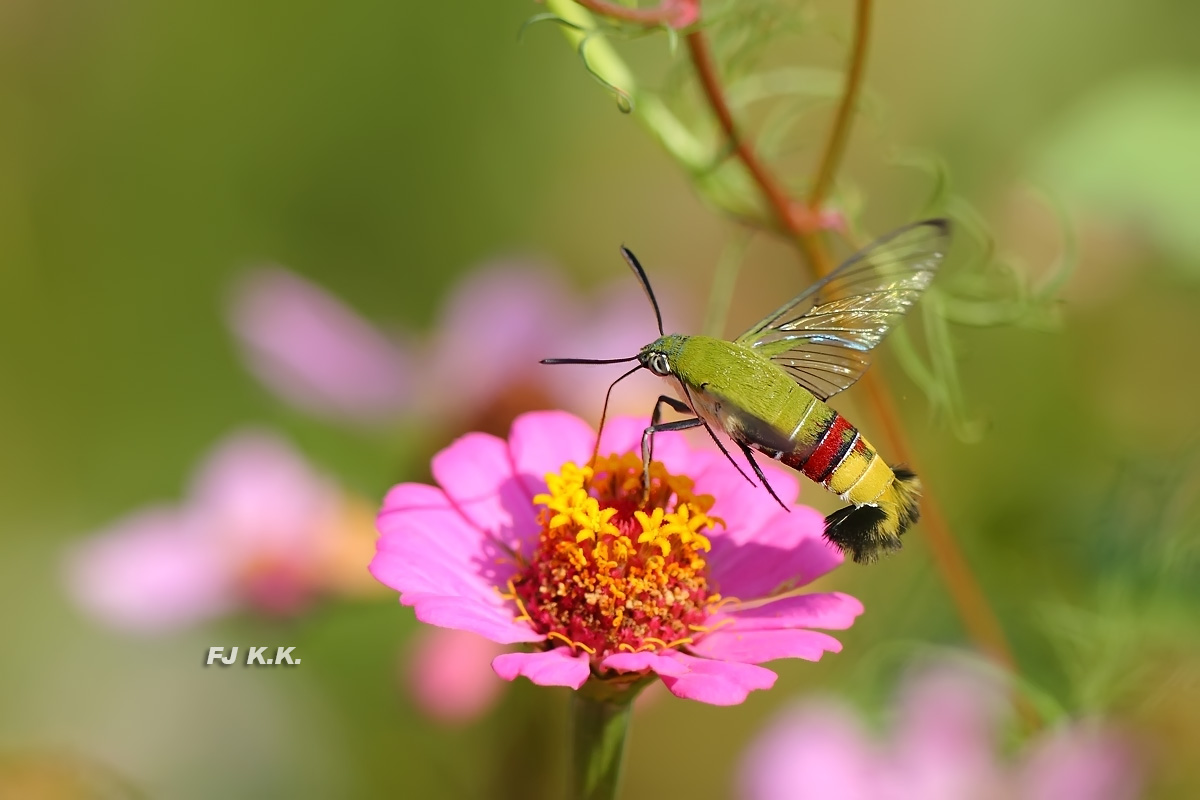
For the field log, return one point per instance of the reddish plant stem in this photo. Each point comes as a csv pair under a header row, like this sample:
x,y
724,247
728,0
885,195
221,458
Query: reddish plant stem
x,y
980,621
706,70
794,220
799,221
839,132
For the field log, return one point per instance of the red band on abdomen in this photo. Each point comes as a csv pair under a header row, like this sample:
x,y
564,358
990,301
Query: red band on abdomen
x,y
831,446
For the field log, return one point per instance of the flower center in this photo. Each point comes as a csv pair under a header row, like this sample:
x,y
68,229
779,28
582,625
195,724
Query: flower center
x,y
613,571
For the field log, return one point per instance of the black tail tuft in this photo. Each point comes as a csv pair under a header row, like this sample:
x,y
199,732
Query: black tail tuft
x,y
865,532
858,531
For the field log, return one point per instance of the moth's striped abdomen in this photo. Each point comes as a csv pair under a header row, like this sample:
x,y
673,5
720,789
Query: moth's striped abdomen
x,y
834,453
833,446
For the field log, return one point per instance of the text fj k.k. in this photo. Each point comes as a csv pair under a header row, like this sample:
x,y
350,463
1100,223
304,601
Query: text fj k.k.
x,y
256,656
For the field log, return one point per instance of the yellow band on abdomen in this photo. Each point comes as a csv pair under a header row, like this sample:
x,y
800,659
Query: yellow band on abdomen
x,y
852,468
872,484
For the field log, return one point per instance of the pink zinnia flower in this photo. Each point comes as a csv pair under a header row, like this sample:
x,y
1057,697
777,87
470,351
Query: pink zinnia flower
x,y
319,355
682,12
446,673
943,746
259,529
524,542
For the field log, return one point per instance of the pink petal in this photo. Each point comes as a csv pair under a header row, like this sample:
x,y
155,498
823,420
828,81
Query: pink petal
x,y
828,610
818,752
152,571
624,435
644,661
436,551
414,497
448,675
755,647
417,566
747,508
555,667
788,552
464,614
719,683
315,352
542,441
476,473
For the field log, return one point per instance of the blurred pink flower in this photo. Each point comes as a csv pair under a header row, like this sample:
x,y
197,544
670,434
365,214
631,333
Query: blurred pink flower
x,y
943,747
599,582
315,352
259,529
319,355
683,12
447,674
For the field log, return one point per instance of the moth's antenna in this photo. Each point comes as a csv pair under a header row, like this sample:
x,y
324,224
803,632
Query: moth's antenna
x,y
632,261
587,360
604,411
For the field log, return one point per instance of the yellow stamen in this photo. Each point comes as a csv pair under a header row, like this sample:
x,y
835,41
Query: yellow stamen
x,y
571,643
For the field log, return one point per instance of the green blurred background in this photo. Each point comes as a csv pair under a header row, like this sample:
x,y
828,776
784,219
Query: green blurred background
x,y
151,151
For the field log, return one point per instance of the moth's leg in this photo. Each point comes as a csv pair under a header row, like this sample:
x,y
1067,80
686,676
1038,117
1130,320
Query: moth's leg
x,y
648,443
749,454
725,451
717,441
656,417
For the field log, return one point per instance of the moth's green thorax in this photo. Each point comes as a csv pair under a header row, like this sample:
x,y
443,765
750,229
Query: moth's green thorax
x,y
730,385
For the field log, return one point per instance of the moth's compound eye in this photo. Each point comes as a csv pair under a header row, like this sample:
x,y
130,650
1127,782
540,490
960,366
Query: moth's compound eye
x,y
659,364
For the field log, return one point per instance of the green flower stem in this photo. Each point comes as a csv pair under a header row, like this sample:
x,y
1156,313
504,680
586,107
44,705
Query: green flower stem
x,y
599,728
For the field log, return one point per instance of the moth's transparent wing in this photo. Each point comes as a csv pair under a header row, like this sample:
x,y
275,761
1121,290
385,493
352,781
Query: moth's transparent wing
x,y
823,338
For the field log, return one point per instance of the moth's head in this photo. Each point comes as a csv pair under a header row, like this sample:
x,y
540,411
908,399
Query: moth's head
x,y
659,356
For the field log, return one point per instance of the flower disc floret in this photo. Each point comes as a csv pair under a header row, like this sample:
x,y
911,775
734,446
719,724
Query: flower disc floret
x,y
617,569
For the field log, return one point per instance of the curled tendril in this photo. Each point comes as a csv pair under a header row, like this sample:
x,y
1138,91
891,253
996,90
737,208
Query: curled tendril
x,y
934,168
624,98
1019,302
936,374
547,17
